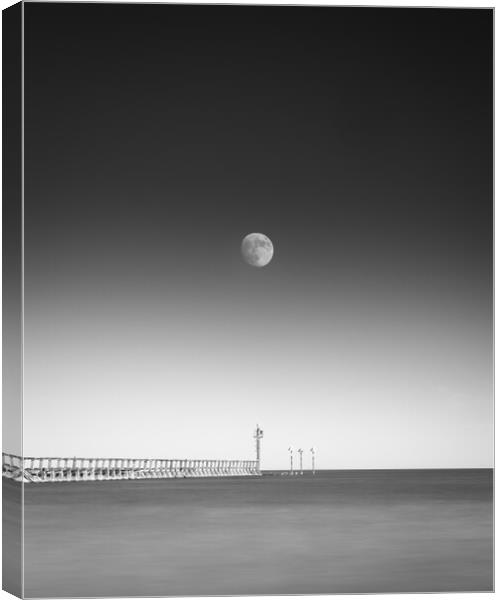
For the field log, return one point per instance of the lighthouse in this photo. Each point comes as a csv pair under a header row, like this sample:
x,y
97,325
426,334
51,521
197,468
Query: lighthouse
x,y
258,435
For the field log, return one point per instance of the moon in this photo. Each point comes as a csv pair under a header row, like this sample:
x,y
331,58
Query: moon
x,y
257,249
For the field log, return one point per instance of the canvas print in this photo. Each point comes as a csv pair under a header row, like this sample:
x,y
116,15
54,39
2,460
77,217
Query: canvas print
x,y
247,272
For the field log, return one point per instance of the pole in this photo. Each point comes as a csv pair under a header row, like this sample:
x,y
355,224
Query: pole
x,y
313,456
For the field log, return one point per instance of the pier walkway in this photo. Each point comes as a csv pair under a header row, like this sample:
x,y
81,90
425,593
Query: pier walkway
x,y
30,469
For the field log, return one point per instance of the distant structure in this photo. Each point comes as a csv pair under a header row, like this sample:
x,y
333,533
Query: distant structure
x,y
313,457
290,449
41,469
258,435
300,451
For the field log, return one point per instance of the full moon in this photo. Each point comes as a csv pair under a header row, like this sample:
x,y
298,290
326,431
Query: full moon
x,y
257,249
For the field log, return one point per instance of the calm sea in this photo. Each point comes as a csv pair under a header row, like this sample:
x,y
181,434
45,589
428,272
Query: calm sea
x,y
335,532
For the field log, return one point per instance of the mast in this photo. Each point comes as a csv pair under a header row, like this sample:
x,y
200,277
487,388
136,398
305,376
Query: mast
x,y
313,457
300,451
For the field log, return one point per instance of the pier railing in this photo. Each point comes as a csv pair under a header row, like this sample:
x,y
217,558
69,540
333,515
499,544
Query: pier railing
x,y
39,469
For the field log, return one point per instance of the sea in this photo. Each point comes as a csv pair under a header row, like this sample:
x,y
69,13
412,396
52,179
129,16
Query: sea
x,y
333,532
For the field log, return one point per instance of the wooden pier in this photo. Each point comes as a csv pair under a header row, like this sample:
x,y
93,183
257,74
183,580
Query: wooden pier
x,y
48,469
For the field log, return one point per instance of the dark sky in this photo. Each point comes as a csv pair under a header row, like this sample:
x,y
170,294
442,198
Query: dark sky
x,y
358,139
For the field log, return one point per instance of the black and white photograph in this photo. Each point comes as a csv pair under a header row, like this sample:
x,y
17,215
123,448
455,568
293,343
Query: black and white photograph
x,y
247,300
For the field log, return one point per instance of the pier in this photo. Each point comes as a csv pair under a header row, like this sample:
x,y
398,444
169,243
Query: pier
x,y
35,469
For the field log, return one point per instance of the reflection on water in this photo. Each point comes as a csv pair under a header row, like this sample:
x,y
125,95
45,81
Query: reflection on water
x,y
339,531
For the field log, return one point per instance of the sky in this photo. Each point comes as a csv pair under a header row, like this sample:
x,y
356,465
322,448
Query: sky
x,y
358,140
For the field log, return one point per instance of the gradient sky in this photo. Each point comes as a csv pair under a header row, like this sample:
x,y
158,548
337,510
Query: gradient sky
x,y
358,140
